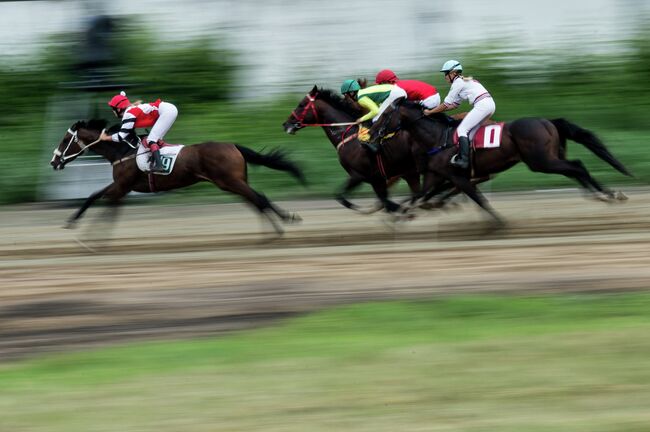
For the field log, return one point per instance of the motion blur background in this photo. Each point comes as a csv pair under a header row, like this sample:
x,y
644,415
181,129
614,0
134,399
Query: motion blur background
x,y
237,68
187,322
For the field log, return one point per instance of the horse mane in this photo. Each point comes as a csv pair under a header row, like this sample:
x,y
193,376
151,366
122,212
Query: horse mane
x,y
437,117
93,124
337,102
97,125
445,119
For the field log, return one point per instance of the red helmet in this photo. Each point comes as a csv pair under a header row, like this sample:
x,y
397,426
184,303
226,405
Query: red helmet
x,y
119,101
386,76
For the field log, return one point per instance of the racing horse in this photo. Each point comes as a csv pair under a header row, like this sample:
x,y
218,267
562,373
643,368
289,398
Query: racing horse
x,y
539,143
321,107
223,164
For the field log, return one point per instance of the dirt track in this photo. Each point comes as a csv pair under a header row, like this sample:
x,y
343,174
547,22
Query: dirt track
x,y
201,270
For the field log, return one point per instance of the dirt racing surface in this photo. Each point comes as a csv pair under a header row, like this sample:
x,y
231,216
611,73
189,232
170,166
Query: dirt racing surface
x,y
179,271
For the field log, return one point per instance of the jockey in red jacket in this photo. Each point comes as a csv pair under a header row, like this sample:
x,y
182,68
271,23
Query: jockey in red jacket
x,y
158,115
418,91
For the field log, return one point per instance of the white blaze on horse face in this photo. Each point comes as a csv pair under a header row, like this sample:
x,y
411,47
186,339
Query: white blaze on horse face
x,y
56,152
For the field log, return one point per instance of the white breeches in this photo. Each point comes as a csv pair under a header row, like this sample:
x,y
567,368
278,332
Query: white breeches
x,y
168,113
395,93
482,109
431,102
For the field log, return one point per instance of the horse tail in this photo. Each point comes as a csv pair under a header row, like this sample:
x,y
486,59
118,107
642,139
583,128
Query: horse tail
x,y
275,159
568,130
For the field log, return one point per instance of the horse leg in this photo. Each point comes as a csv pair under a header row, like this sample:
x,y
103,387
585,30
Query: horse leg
x,y
571,169
352,183
379,186
100,233
469,188
413,180
260,201
592,182
286,217
71,222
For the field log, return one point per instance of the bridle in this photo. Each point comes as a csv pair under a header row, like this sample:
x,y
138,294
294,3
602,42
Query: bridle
x,y
74,138
311,105
381,134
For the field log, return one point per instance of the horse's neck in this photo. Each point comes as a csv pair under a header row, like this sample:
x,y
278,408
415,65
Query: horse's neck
x,y
333,115
111,151
428,133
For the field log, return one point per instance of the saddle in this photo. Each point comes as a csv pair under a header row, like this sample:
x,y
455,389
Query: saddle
x,y
487,136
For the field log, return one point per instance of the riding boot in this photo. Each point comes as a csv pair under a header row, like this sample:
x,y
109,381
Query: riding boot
x,y
461,160
156,162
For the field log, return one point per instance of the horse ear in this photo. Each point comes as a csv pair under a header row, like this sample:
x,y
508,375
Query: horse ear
x,y
314,90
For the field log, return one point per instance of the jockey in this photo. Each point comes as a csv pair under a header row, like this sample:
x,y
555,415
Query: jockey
x,y
370,98
417,91
158,115
469,89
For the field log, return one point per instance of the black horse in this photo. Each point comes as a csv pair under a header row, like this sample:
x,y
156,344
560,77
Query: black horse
x,y
538,142
325,109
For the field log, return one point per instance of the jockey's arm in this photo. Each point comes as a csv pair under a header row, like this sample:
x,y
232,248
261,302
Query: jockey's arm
x,y
128,124
440,108
369,105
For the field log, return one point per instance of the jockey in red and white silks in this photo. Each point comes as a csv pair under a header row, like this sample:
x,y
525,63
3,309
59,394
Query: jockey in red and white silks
x,y
158,115
417,91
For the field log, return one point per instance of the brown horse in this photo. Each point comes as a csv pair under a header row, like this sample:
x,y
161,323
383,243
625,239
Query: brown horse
x,y
325,109
538,142
223,164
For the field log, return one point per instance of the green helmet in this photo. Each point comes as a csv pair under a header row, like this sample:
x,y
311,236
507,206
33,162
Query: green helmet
x,y
350,85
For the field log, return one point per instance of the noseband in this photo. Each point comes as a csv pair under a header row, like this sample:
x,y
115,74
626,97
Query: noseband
x,y
300,118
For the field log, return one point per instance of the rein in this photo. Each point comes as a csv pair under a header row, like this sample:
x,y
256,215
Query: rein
x,y
75,139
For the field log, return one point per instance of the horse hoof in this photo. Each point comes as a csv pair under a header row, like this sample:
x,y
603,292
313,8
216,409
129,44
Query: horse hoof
x,y
401,217
620,196
294,218
602,197
70,225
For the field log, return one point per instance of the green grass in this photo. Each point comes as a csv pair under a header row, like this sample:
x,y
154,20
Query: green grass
x,y
488,363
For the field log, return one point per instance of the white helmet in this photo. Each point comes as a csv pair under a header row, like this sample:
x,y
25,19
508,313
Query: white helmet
x,y
451,65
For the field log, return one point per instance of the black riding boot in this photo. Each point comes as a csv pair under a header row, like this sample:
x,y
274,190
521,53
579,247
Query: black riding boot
x,y
156,162
461,160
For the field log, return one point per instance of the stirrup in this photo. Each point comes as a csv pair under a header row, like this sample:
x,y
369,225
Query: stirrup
x,y
458,162
156,169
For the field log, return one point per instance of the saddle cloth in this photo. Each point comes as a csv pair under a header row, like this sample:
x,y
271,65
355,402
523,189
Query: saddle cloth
x,y
485,137
168,155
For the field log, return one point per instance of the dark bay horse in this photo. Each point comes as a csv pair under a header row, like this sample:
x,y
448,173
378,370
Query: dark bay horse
x,y
223,164
324,108
538,142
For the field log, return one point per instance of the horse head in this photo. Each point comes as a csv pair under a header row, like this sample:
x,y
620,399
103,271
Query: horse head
x,y
76,140
304,114
321,107
389,122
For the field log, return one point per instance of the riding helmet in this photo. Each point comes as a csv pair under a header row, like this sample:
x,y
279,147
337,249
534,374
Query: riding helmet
x,y
119,101
386,76
350,85
451,65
